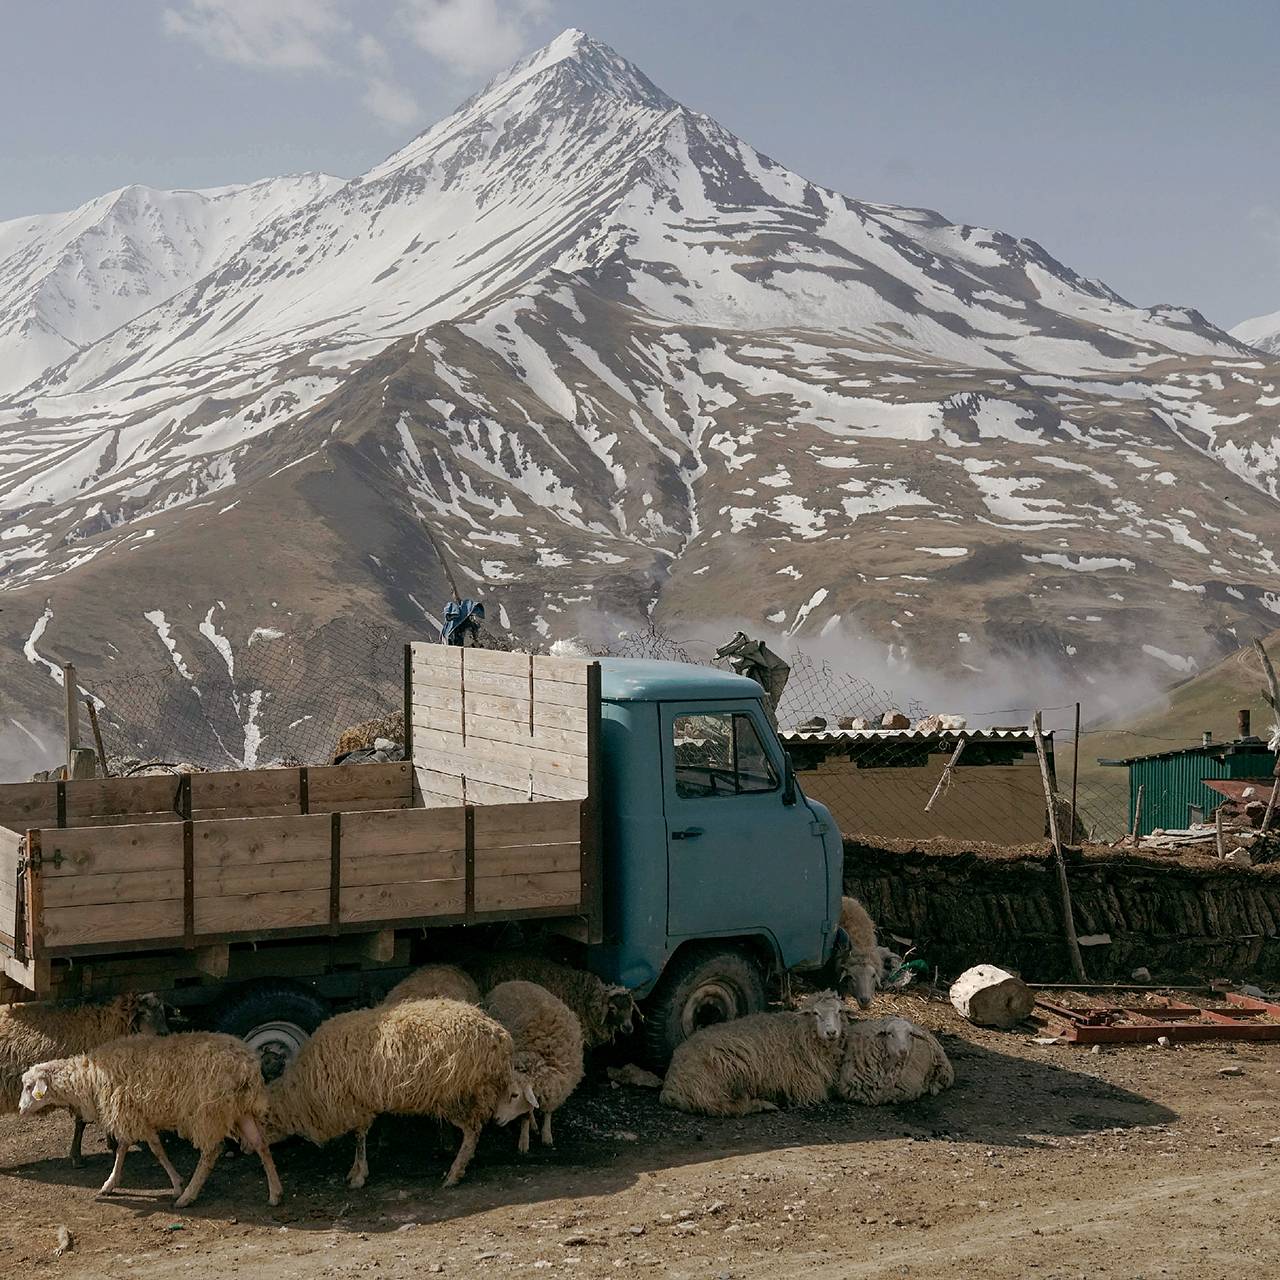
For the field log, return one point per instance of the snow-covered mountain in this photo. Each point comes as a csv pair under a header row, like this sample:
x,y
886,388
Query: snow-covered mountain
x,y
1261,333
618,362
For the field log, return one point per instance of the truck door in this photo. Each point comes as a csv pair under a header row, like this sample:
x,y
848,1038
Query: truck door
x,y
739,858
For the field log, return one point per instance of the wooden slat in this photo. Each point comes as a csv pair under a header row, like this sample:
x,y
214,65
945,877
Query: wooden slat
x,y
112,887
528,859
255,840
252,912
564,741
547,715
502,684
89,850
498,708
401,831
402,901
244,793
401,868
26,805
553,786
486,660
343,786
492,793
525,758
444,785
570,670
126,922
266,877
428,741
501,826
559,693
446,656
251,811
438,697
91,798
544,889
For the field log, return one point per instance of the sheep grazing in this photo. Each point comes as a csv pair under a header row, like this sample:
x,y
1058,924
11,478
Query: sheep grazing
x,y
865,967
759,1062
204,1086
548,1047
890,1060
435,982
441,1058
38,1032
604,1012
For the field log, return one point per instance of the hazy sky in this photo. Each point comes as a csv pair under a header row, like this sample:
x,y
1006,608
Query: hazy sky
x,y
1134,139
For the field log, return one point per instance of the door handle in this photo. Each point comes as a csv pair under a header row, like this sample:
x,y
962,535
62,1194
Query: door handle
x,y
689,833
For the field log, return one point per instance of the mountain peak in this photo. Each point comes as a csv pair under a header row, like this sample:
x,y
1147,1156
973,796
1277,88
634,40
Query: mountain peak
x,y
591,60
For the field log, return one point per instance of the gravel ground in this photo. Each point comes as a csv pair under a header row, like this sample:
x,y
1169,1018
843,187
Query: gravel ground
x,y
1044,1160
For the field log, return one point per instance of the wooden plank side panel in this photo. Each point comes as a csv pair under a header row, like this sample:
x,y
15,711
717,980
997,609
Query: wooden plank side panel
x,y
77,851
563,741
475,661
112,922
91,799
402,901
540,889
252,912
440,787
258,841
520,825
340,786
25,806
10,849
402,868
245,793
528,859
401,831
112,887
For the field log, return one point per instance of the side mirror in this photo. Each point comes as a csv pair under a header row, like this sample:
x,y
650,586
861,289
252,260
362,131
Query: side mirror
x,y
788,779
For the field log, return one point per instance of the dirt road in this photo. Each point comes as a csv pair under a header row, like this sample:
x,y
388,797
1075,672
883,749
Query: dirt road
x,y
1042,1161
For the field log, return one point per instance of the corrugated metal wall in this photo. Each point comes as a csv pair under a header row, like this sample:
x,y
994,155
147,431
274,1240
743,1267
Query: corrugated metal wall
x,y
1173,784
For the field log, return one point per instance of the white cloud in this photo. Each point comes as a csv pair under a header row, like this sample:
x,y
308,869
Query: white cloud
x,y
472,36
384,96
282,34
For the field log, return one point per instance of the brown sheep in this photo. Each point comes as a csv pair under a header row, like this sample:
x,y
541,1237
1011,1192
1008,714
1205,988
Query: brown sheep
x,y
438,1058
548,1047
865,966
39,1032
435,981
603,1011
759,1062
204,1086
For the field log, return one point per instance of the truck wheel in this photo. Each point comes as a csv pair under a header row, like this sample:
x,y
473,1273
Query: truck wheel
x,y
275,1018
702,986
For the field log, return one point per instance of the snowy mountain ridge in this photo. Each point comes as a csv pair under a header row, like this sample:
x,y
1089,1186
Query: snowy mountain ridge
x,y
616,361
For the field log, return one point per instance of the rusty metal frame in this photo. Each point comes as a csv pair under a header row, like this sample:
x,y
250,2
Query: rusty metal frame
x,y
1130,1024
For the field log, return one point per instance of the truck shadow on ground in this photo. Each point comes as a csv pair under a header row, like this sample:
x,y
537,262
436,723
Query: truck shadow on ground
x,y
608,1139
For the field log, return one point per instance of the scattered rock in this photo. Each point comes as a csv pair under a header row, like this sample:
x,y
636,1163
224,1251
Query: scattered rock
x,y
1231,1071
1141,974
895,720
65,1242
1164,1042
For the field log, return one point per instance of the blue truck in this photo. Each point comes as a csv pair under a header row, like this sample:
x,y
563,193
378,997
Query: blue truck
x,y
644,814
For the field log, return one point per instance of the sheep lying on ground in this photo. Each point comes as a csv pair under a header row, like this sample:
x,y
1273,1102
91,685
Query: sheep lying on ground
x,y
759,1062
440,1058
864,968
548,1047
435,981
890,1060
204,1086
38,1032
603,1011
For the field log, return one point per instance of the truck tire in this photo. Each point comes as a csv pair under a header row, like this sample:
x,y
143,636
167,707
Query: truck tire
x,y
274,1017
701,986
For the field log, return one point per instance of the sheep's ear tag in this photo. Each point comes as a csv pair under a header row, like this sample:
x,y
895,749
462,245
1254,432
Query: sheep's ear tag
x,y
40,1090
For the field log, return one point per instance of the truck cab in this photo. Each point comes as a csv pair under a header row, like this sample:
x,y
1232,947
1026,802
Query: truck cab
x,y
718,871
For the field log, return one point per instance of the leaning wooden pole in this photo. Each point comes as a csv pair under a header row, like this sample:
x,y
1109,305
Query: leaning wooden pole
x,y
1064,889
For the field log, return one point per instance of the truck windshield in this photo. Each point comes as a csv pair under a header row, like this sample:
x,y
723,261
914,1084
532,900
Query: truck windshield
x,y
720,754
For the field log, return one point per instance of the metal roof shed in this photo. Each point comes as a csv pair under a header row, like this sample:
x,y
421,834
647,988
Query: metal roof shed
x,y
1173,781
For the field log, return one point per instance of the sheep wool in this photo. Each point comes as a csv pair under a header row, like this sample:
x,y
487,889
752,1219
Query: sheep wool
x,y
864,967
38,1032
436,981
603,1011
759,1062
436,1057
204,1086
548,1046
890,1060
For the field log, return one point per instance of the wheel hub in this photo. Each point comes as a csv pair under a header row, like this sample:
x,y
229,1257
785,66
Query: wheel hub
x,y
712,1002
276,1043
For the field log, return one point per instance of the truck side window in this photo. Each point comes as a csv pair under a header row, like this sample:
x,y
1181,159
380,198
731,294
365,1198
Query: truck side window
x,y
720,754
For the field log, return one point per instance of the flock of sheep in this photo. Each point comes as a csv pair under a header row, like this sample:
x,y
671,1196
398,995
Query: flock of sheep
x,y
502,1043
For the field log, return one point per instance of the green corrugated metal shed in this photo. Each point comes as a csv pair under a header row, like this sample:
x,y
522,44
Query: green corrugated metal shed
x,y
1173,780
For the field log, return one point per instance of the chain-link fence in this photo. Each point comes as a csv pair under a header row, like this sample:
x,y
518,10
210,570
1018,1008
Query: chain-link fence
x,y
887,768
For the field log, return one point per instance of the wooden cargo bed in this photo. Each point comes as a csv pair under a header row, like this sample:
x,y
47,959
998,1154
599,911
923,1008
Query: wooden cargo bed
x,y
493,817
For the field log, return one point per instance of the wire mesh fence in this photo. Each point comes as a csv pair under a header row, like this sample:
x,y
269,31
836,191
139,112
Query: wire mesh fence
x,y
888,769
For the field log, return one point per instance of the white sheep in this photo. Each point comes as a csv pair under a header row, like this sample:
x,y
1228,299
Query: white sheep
x,y
204,1086
865,967
604,1011
435,981
889,1060
441,1058
759,1062
39,1032
548,1047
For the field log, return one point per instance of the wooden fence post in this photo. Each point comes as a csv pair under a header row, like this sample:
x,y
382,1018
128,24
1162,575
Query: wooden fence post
x,y
73,712
1068,916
